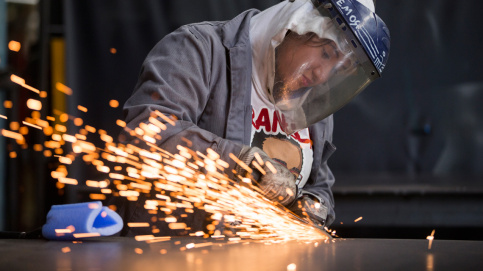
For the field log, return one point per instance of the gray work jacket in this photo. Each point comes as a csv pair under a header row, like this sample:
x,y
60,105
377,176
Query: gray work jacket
x,y
201,73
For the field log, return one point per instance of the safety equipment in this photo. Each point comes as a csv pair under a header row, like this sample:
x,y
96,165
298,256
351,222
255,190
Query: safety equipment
x,y
277,185
329,51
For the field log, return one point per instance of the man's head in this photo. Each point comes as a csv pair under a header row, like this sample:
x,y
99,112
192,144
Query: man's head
x,y
327,55
305,61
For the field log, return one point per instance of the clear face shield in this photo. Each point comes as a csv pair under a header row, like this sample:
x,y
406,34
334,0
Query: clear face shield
x,y
314,76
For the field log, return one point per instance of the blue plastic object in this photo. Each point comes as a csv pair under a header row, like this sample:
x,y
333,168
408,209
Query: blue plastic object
x,y
81,220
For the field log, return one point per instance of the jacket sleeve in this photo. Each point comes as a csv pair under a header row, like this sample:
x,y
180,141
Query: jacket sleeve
x,y
175,80
321,180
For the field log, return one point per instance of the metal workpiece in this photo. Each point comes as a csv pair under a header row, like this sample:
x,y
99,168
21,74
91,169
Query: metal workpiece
x,y
121,253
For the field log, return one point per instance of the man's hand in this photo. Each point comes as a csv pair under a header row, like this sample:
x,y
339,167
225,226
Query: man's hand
x,y
275,180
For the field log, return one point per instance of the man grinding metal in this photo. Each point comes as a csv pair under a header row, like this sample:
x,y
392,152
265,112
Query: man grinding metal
x,y
263,83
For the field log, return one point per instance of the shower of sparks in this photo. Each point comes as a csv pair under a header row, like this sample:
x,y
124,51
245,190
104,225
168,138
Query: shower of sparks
x,y
430,239
186,180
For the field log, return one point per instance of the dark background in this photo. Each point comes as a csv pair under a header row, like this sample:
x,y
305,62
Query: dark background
x,y
410,147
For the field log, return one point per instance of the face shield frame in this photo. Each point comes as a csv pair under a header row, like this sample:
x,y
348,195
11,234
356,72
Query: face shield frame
x,y
367,29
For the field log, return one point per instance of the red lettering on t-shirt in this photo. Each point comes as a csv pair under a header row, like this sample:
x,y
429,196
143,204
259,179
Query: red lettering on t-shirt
x,y
277,122
253,118
263,120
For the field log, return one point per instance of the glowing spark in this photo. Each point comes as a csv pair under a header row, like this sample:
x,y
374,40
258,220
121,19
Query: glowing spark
x,y
138,251
21,82
7,104
90,129
177,226
113,103
78,121
14,45
63,88
239,162
3,117
212,154
121,123
144,237
14,125
106,138
63,117
137,224
116,176
69,138
259,159
34,104
96,183
97,196
67,181
190,245
168,120
113,50
65,160
358,219
65,249
159,239
271,167
60,128
63,231
157,123
13,135
32,125
259,167
82,108
430,238
86,235
291,267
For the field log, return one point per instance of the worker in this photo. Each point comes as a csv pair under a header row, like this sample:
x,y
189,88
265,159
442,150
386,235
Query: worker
x,y
263,83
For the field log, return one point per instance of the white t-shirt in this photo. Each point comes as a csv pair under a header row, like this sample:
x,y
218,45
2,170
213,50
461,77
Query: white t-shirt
x,y
295,151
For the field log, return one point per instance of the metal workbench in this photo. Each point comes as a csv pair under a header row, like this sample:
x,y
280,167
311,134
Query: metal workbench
x,y
118,253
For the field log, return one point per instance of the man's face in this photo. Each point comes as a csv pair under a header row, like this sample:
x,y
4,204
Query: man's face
x,y
304,61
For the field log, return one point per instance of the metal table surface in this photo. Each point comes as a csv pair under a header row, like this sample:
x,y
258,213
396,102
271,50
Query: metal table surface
x,y
117,253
